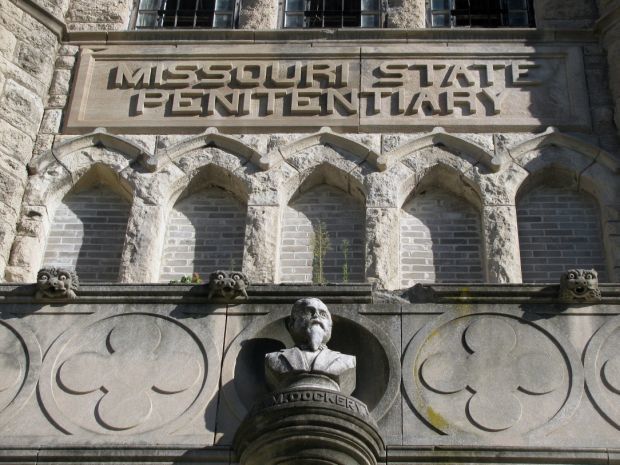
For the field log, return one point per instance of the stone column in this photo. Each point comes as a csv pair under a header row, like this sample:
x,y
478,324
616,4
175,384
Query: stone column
x,y
262,243
608,26
501,244
338,430
143,244
29,245
382,246
611,237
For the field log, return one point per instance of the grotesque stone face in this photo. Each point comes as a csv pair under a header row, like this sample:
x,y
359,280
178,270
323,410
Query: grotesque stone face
x,y
310,324
56,283
580,286
228,284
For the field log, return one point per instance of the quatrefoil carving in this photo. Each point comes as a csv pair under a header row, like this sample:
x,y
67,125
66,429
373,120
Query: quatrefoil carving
x,y
10,365
611,374
129,375
489,368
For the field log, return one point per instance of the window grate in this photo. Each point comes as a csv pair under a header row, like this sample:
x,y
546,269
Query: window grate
x,y
334,13
482,13
192,14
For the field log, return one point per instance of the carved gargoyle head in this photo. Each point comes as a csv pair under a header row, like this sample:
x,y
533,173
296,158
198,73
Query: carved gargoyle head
x,y
228,284
580,286
56,283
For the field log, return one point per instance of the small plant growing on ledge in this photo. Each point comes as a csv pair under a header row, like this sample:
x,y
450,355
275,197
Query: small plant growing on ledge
x,y
193,279
345,257
320,245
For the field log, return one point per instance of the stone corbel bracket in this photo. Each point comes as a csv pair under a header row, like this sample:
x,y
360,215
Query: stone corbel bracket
x,y
440,137
212,138
324,137
98,138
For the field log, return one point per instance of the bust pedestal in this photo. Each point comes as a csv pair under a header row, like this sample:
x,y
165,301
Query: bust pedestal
x,y
308,426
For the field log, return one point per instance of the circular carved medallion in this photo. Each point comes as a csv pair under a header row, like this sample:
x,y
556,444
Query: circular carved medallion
x,y
602,368
490,373
20,363
126,374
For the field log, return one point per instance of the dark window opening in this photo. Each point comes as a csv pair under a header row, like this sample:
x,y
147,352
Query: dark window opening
x,y
334,13
482,13
187,14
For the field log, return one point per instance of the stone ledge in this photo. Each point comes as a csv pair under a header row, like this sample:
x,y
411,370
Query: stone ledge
x,y
497,455
357,36
180,293
358,293
225,456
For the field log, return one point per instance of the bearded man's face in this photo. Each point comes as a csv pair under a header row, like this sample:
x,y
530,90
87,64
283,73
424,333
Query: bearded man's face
x,y
311,324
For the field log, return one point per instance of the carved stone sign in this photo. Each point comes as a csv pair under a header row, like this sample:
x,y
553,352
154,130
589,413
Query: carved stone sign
x,y
151,88
317,397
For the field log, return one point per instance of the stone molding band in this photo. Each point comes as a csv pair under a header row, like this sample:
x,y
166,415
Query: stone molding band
x,y
54,24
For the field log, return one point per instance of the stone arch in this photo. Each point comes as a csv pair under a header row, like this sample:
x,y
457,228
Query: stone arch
x,y
440,225
560,226
553,137
212,138
360,152
88,226
84,167
333,201
328,173
98,138
465,149
205,224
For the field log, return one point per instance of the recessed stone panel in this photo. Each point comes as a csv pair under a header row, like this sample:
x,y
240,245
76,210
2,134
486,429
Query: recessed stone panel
x,y
255,87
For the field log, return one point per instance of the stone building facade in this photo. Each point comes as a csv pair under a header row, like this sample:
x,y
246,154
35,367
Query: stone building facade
x,y
449,174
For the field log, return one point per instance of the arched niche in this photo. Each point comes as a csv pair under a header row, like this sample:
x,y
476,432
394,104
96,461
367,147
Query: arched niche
x,y
88,226
559,226
205,227
440,231
326,213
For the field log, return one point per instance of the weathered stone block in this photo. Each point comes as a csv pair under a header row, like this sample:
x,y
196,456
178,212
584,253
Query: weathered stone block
x,y
14,142
14,72
61,82
259,14
12,180
21,107
51,122
407,14
114,11
35,61
57,101
65,62
7,43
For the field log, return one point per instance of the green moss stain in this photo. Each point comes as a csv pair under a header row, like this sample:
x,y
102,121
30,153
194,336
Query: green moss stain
x,y
436,419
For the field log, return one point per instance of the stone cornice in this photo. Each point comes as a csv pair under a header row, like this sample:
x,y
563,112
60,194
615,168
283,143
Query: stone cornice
x,y
355,37
43,16
286,294
179,293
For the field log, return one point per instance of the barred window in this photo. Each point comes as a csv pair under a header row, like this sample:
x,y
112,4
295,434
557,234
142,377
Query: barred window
x,y
481,13
187,14
334,13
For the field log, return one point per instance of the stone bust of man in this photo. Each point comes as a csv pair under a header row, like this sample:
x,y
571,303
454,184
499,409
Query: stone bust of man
x,y
310,364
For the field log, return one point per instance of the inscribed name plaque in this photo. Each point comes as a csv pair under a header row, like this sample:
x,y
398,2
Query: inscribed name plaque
x,y
244,88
